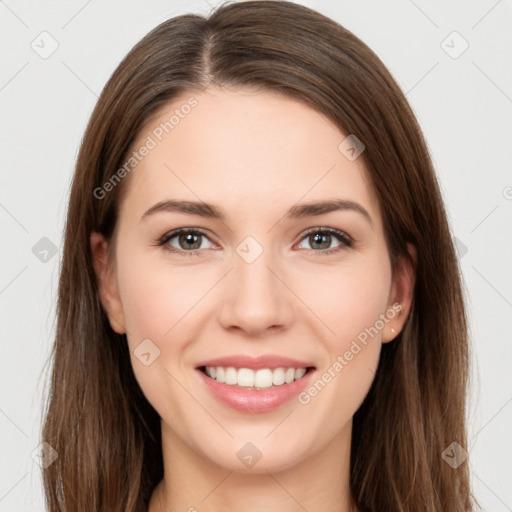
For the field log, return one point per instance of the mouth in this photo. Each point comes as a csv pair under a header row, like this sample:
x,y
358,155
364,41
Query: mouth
x,y
255,384
259,379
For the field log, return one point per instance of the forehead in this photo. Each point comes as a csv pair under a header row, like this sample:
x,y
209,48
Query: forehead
x,y
247,150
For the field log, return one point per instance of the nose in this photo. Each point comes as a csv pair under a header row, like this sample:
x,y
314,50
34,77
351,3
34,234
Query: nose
x,y
255,297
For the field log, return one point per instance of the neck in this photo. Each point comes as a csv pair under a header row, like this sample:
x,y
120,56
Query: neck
x,y
192,483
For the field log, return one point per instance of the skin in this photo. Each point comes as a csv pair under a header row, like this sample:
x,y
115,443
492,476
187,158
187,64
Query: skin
x,y
254,154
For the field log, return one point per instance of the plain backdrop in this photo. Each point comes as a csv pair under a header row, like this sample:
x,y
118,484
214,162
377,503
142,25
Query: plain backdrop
x,y
453,60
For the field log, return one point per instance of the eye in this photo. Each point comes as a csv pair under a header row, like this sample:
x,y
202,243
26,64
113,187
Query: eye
x,y
186,241
321,238
190,242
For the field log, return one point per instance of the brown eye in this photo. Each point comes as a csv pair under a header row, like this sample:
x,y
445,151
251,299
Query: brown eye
x,y
186,241
320,240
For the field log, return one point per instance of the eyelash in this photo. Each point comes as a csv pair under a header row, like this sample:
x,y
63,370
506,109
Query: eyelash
x,y
346,241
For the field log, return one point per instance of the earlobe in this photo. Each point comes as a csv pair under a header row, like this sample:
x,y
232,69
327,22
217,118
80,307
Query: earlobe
x,y
107,286
402,293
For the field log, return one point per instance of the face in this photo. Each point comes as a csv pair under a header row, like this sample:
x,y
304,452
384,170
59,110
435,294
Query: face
x,y
264,276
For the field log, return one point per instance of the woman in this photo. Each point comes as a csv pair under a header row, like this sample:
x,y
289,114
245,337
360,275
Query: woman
x,y
308,349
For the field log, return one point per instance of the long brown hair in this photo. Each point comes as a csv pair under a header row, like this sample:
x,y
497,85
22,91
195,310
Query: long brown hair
x,y
105,432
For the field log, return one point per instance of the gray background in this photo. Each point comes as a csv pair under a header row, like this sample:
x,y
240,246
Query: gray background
x,y
463,102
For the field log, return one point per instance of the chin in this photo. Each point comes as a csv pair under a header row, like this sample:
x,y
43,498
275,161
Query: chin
x,y
249,459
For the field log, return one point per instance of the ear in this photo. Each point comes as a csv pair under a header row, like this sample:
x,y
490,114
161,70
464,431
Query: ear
x,y
401,295
107,285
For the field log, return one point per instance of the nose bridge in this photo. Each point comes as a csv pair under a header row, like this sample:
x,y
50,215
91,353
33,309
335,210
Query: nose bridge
x,y
255,299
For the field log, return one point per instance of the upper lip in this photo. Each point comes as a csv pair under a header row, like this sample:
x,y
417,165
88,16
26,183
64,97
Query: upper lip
x,y
256,363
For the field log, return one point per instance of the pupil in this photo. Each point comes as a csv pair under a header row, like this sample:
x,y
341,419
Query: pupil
x,y
192,239
189,239
318,239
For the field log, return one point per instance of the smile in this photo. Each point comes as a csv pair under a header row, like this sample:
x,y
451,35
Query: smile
x,y
254,391
263,378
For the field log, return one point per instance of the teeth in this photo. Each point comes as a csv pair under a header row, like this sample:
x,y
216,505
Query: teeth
x,y
259,379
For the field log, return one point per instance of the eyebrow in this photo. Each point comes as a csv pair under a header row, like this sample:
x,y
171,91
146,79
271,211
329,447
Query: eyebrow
x,y
297,211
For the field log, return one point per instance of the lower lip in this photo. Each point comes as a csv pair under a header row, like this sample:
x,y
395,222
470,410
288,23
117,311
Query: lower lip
x,y
254,400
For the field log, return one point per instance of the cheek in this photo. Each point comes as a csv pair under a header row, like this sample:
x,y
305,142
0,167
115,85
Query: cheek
x,y
347,299
161,303
351,309
155,298
157,302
